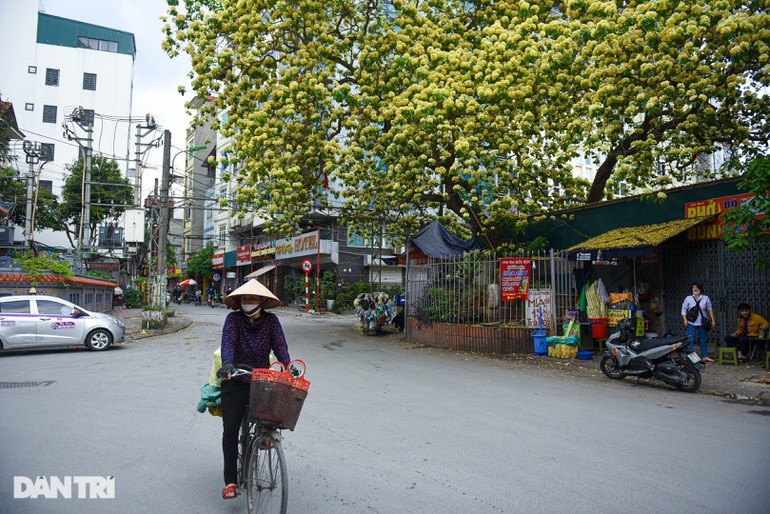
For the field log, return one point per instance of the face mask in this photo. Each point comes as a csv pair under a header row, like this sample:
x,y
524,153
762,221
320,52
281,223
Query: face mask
x,y
250,309
696,292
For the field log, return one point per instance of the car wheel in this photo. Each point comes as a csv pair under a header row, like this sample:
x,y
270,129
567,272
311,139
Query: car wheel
x,y
99,340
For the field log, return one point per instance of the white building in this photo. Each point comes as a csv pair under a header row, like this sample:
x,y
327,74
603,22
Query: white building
x,y
49,68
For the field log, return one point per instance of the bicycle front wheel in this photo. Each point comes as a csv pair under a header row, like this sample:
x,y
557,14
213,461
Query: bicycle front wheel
x,y
267,485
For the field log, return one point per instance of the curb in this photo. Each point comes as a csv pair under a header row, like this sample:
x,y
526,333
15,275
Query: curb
x,y
175,324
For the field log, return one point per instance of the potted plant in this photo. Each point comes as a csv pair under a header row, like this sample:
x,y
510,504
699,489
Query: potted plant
x,y
328,286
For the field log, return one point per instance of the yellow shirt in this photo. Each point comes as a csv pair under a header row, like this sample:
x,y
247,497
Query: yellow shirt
x,y
755,322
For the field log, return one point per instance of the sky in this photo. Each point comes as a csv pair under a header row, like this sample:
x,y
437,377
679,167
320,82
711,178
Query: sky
x,y
156,75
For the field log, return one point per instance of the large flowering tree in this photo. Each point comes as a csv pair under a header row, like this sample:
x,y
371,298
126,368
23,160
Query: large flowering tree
x,y
470,111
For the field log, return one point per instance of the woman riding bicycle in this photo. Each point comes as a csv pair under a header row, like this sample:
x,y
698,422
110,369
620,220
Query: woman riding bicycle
x,y
248,336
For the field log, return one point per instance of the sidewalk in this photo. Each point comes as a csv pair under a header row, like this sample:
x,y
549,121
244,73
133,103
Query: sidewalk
x,y
133,320
745,382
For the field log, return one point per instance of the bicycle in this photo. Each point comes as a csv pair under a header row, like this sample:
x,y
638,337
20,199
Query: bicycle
x,y
275,402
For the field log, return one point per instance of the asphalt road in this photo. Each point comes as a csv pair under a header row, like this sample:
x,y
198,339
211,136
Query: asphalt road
x,y
388,427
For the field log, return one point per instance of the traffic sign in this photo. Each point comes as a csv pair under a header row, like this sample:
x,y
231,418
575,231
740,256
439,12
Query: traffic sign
x,y
307,265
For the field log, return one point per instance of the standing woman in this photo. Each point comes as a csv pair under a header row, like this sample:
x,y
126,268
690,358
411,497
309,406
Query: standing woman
x,y
248,336
694,329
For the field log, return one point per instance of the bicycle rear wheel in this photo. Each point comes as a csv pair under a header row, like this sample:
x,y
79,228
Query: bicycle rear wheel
x,y
267,488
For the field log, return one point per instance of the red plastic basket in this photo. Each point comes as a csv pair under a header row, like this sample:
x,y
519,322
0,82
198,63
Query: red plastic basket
x,y
276,398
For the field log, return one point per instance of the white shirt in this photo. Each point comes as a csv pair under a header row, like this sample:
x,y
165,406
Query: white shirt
x,y
705,307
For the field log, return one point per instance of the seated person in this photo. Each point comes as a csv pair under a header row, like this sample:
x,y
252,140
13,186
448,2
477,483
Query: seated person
x,y
749,325
398,320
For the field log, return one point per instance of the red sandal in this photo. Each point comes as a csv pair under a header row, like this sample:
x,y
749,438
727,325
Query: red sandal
x,y
230,491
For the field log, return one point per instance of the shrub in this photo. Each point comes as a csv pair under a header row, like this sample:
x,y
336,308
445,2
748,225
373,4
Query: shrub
x,y
133,298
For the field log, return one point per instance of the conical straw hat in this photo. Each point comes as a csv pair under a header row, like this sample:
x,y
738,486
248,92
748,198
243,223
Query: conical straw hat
x,y
255,288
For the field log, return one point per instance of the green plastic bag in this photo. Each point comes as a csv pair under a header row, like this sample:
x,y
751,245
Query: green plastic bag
x,y
572,340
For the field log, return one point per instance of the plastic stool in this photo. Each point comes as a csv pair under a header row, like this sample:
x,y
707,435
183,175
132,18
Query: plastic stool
x,y
727,355
600,342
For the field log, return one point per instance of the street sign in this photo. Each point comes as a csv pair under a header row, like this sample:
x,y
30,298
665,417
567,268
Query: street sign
x,y
216,277
306,267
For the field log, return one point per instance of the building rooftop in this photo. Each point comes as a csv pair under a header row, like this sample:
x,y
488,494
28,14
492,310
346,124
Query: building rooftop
x,y
54,30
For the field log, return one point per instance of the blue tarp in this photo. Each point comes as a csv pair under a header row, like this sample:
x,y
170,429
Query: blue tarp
x,y
436,241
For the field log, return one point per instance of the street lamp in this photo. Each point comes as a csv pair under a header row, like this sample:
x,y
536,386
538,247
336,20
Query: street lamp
x,y
187,151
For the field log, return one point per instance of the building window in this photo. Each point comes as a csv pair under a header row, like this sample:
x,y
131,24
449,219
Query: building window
x,y
32,69
89,81
222,236
46,151
29,107
51,77
46,185
97,44
362,240
49,114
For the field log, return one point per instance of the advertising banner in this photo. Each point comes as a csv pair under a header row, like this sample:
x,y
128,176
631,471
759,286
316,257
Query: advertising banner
x,y
514,278
299,246
538,299
243,255
218,260
715,228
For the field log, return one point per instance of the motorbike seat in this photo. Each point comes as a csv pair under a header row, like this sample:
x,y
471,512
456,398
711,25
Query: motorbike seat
x,y
646,344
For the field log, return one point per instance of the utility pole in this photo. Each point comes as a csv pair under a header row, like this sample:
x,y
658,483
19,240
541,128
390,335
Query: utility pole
x,y
141,150
33,151
86,224
87,124
141,131
163,223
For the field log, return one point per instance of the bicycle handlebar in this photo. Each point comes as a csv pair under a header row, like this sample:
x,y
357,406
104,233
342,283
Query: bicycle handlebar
x,y
240,370
245,369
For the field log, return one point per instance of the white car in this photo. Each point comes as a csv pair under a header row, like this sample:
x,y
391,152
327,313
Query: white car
x,y
35,321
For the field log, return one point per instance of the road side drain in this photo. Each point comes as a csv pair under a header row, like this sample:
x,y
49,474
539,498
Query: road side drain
x,y
15,385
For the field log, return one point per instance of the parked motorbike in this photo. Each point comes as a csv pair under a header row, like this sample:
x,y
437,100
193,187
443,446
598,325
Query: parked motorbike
x,y
198,296
373,312
667,359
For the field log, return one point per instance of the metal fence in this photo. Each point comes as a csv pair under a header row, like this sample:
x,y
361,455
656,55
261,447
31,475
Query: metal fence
x,y
468,291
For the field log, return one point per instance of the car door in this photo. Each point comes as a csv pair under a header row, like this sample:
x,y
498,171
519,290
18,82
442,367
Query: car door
x,y
56,325
18,326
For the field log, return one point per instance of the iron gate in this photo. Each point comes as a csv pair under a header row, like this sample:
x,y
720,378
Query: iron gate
x,y
728,278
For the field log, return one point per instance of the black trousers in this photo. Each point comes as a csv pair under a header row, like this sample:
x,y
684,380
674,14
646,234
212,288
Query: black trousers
x,y
235,398
742,342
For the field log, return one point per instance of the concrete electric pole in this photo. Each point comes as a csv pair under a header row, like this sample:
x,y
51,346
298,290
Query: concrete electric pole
x,y
161,276
32,149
